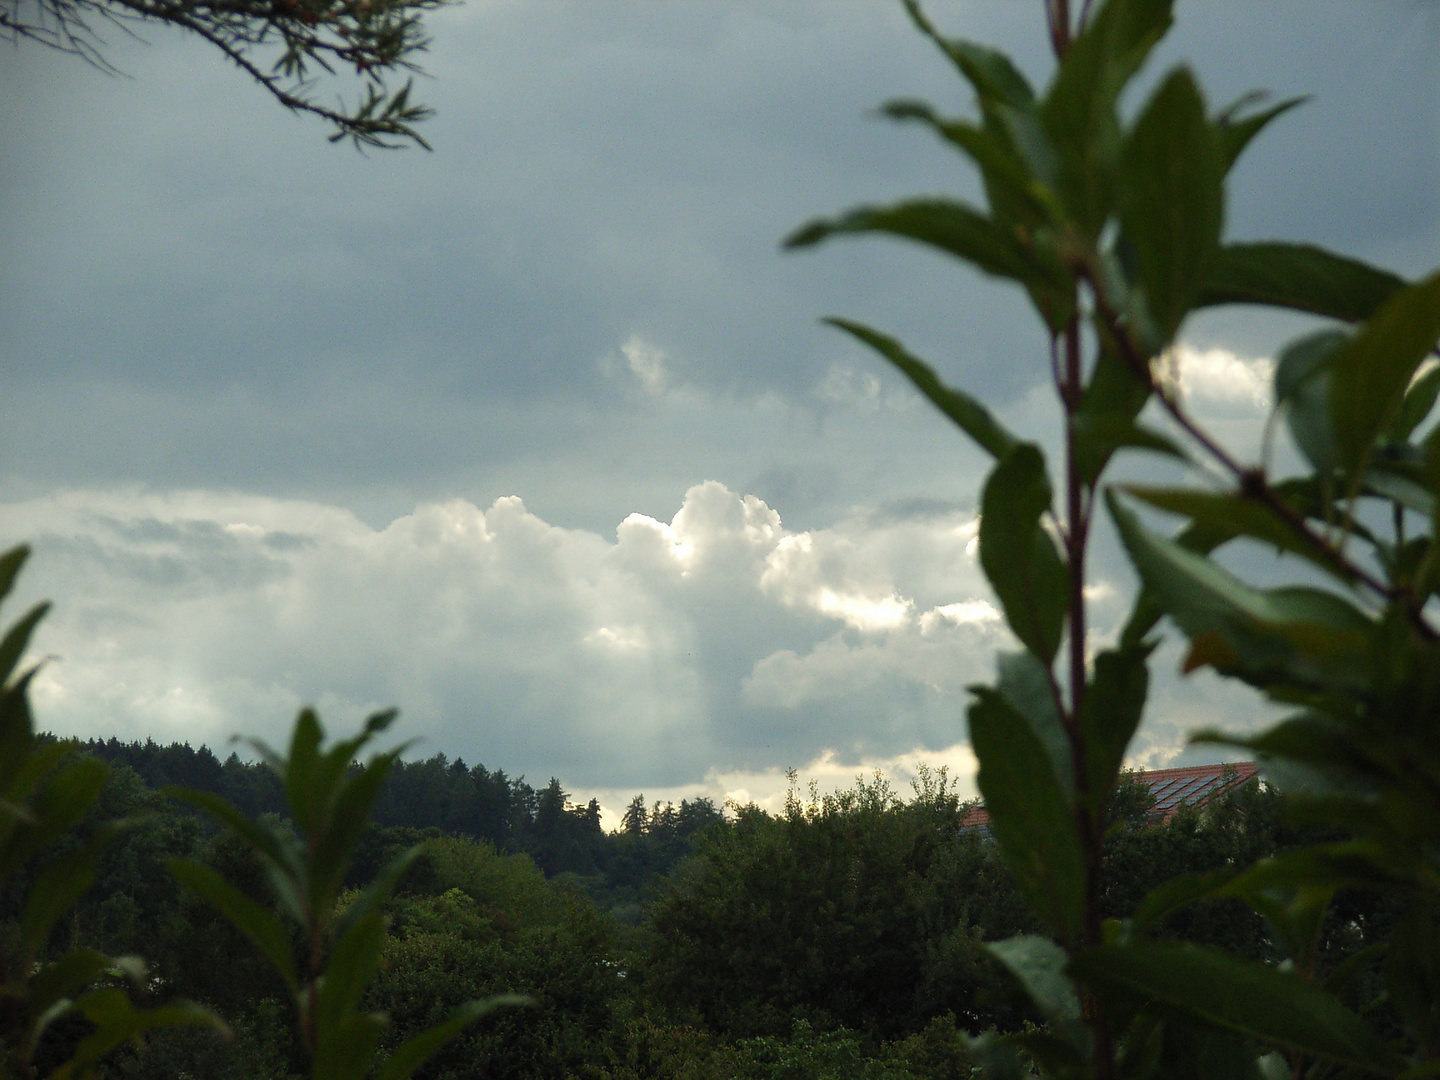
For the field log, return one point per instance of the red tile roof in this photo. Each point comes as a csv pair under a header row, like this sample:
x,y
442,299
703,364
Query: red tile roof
x,y
1193,785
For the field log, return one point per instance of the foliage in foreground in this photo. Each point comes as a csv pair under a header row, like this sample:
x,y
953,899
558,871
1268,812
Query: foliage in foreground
x,y
1113,227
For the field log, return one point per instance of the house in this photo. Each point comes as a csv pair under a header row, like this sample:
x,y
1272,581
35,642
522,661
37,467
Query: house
x,y
1193,785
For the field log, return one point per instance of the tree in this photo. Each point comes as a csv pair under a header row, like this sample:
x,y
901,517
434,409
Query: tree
x,y
1114,231
857,910
283,45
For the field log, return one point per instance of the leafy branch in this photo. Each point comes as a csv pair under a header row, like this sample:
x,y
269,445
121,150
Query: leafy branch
x,y
370,39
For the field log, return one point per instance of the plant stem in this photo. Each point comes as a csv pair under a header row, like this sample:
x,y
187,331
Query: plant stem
x,y
1252,482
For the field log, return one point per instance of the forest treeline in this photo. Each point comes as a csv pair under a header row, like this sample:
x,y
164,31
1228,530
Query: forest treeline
x,y
840,937
464,801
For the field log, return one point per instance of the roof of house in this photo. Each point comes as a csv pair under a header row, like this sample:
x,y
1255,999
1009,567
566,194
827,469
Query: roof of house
x,y
1193,785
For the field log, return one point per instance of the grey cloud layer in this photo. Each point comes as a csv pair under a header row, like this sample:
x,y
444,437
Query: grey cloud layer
x,y
200,292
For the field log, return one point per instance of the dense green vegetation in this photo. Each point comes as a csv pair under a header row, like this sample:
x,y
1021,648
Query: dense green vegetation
x,y
843,936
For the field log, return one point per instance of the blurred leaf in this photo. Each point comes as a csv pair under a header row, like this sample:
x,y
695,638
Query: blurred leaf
x,y
1171,202
346,1049
989,72
1302,387
1399,489
1371,371
995,1056
951,227
415,1051
1105,421
10,563
1418,404
1244,517
280,861
1412,973
58,885
331,851
1298,276
1237,129
375,895
967,413
1028,812
1114,703
1026,685
12,646
1176,893
354,959
1008,151
252,919
1079,111
1097,439
58,807
1288,634
1018,556
117,1021
1251,998
64,978
304,793
1039,964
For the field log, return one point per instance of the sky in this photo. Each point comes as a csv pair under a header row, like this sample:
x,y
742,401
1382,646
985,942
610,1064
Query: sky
x,y
537,436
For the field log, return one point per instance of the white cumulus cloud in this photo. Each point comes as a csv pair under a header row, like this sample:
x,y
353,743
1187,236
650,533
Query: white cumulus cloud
x,y
718,640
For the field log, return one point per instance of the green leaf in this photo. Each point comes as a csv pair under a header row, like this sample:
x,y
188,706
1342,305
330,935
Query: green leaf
x,y
1266,637
1171,202
1105,421
353,962
1297,276
1244,517
1372,370
65,977
1302,388
57,887
990,72
1097,439
1028,812
1039,964
60,805
1418,404
304,794
1111,712
332,849
1018,556
1238,995
1079,110
252,919
375,895
1237,130
116,1021
965,411
1026,685
1009,151
1176,893
12,646
10,563
950,227
1412,973
418,1049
